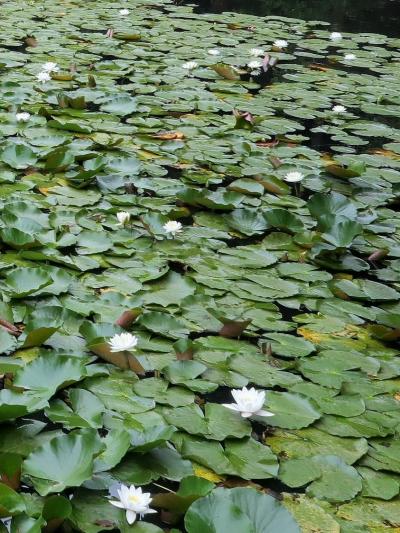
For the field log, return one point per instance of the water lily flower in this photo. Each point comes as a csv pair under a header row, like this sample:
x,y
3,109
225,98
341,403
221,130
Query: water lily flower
x,y
134,502
256,52
243,115
50,67
213,52
173,227
350,57
43,77
255,64
123,218
123,341
190,65
124,12
280,43
335,36
294,177
248,402
22,117
339,109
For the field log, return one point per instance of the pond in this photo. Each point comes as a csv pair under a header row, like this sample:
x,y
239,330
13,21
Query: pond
x,y
199,267
372,16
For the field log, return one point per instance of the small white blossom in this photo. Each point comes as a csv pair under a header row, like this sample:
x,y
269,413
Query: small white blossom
x,y
350,57
123,218
256,52
190,65
50,67
336,36
173,227
280,43
123,341
134,502
213,52
124,12
22,117
294,177
255,64
43,77
339,109
248,402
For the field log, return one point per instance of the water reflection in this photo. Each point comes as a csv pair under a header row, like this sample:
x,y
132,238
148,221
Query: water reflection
x,y
375,16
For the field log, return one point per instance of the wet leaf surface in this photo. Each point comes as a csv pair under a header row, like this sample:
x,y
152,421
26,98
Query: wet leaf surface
x,y
283,272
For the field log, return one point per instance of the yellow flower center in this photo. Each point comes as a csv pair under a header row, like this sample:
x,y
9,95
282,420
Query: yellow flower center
x,y
134,499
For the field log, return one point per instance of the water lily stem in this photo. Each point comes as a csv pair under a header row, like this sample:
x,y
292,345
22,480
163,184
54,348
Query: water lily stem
x,y
164,488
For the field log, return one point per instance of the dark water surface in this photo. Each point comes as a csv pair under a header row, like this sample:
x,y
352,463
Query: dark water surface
x,y
357,16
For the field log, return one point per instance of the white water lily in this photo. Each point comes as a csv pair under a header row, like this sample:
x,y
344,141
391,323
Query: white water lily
x,y
190,65
350,57
248,402
213,52
123,341
280,43
123,218
255,64
43,77
293,177
134,502
22,117
336,36
339,109
50,67
256,52
173,227
124,12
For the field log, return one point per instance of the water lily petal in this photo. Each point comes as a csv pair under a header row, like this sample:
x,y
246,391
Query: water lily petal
x,y
117,504
149,511
232,406
130,517
262,412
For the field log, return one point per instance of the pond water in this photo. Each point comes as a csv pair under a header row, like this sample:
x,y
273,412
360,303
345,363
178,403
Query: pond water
x,y
375,16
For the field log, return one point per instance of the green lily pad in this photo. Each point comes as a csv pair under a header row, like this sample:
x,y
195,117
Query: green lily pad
x,y
238,509
63,462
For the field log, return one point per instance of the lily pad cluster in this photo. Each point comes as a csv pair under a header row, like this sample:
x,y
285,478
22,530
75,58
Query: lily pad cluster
x,y
292,288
